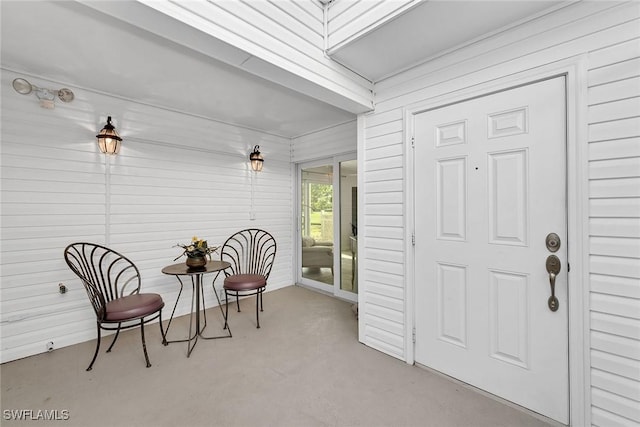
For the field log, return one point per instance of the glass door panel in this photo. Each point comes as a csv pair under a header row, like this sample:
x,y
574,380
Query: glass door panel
x,y
349,226
316,216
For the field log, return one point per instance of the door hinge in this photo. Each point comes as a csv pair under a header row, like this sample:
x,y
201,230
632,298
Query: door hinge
x,y
413,141
413,239
413,335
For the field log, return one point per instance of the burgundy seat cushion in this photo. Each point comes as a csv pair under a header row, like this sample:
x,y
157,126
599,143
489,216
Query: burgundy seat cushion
x,y
244,282
133,306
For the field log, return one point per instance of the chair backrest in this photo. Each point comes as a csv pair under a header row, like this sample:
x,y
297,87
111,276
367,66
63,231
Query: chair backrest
x,y
249,251
105,273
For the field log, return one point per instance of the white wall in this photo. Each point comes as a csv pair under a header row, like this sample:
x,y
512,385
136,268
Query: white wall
x,y
334,141
606,35
177,176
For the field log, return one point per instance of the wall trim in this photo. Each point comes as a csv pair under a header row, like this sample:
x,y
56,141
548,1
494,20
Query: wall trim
x,y
107,199
362,237
575,71
408,128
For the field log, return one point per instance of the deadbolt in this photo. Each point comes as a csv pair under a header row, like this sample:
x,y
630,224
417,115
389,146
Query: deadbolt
x,y
553,242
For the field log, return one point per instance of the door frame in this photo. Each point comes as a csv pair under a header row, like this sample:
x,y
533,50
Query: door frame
x,y
575,72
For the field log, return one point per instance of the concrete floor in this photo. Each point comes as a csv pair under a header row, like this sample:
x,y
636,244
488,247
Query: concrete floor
x,y
304,367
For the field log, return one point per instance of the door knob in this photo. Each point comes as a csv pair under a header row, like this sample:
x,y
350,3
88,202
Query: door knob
x,y
553,268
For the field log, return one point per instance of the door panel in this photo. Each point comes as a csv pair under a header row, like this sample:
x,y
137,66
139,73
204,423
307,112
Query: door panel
x,y
452,198
507,198
452,303
490,183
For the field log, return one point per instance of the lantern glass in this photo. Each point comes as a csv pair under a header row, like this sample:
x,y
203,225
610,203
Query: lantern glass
x,y
256,159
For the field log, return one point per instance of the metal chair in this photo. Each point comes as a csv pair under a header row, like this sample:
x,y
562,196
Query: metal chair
x,y
112,283
251,253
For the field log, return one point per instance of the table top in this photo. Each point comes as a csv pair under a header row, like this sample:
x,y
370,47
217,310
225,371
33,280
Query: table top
x,y
181,269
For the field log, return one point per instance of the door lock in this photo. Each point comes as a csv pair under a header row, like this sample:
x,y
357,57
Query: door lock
x,y
553,268
553,242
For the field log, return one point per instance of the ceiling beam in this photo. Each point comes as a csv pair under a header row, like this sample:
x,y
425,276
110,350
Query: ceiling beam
x,y
221,36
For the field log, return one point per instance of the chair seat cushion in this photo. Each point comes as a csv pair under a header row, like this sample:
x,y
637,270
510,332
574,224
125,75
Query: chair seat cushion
x,y
244,282
133,306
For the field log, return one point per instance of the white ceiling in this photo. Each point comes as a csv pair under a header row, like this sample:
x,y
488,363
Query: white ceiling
x,y
433,28
82,48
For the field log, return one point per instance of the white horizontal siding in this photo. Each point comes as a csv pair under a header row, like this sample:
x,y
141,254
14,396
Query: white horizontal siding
x,y
383,243
624,408
330,142
176,176
608,36
614,177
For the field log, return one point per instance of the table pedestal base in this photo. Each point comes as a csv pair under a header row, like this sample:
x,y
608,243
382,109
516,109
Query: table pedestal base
x,y
197,298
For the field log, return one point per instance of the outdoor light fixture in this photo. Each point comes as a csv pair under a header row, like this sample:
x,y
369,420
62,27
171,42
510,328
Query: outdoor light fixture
x,y
108,139
256,159
46,96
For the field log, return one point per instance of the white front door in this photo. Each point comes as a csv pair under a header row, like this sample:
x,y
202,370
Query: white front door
x,y
490,185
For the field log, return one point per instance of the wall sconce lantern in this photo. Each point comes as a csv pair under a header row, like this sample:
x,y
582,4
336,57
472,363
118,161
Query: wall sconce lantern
x,y
108,139
256,159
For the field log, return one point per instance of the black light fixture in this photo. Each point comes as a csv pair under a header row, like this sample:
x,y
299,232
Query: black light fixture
x,y
108,139
256,159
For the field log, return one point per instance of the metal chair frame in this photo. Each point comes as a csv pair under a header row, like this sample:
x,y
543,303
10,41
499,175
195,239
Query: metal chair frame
x,y
249,251
108,275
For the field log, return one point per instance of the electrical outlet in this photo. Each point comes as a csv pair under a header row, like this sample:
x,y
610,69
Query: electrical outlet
x,y
252,215
50,346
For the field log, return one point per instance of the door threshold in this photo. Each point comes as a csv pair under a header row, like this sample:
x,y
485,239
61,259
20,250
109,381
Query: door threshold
x,y
323,292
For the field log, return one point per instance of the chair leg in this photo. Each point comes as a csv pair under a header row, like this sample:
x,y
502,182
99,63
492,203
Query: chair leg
x,y
226,313
95,354
261,303
144,344
238,301
164,337
258,311
114,339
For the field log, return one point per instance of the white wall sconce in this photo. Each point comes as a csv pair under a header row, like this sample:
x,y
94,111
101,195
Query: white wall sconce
x,y
46,96
108,139
256,159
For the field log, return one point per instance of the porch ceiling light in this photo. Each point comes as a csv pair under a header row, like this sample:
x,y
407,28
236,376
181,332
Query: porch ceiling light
x,y
256,159
108,139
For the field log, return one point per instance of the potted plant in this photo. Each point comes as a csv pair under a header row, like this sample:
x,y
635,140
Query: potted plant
x,y
196,252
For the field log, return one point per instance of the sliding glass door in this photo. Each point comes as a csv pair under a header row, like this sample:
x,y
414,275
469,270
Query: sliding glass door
x,y
327,256
348,226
